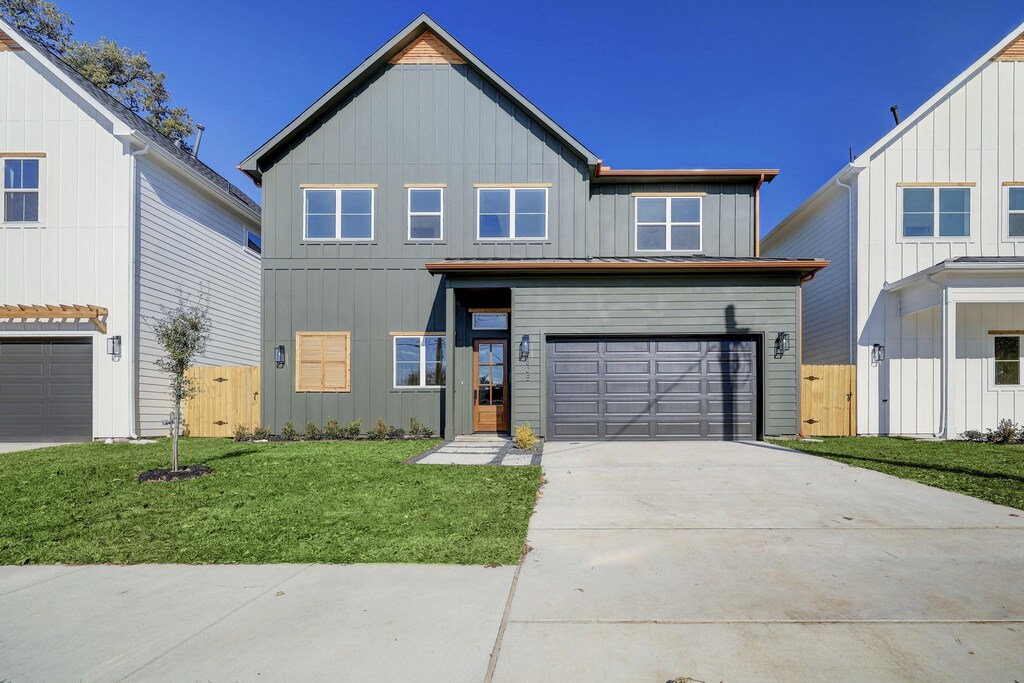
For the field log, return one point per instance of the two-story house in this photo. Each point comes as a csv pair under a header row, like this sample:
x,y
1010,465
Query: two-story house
x,y
925,232
437,247
103,221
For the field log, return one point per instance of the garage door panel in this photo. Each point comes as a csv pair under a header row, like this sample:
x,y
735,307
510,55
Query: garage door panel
x,y
45,389
652,388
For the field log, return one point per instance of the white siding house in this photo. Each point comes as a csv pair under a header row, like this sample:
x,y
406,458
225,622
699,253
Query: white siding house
x,y
933,227
101,215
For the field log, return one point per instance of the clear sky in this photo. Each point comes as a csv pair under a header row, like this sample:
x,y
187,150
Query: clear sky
x,y
643,84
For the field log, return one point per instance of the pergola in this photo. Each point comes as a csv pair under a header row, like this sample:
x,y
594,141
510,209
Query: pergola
x,y
97,315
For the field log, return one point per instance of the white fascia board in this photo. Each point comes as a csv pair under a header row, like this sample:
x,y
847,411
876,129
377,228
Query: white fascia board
x,y
847,173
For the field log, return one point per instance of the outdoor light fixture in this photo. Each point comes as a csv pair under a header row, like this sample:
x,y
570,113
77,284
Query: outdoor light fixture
x,y
524,348
877,353
114,346
781,344
279,355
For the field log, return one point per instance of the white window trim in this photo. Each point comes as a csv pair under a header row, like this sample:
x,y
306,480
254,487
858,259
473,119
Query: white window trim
x,y
668,225
245,242
992,364
1006,212
38,191
472,321
337,215
411,213
936,237
512,215
423,362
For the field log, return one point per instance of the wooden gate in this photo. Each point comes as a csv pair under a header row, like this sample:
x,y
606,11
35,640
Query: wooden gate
x,y
228,396
828,400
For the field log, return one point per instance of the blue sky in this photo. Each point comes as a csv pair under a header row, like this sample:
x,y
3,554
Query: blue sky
x,y
642,84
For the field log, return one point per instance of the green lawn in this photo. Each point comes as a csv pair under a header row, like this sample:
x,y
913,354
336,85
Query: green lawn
x,y
341,502
994,473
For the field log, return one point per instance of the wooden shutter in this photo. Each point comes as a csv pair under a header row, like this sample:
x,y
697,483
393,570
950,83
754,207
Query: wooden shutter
x,y
322,361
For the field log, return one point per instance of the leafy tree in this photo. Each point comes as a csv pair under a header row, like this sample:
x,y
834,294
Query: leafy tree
x,y
182,332
125,74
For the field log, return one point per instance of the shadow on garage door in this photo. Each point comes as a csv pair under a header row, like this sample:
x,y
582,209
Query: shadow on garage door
x,y
45,389
652,388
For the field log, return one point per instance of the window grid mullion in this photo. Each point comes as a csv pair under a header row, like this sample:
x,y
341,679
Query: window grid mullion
x,y
337,215
423,363
512,213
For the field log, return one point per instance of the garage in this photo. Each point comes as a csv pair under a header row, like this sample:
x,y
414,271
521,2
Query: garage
x,y
45,389
652,388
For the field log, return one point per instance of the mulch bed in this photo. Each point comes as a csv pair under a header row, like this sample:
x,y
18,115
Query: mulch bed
x,y
165,473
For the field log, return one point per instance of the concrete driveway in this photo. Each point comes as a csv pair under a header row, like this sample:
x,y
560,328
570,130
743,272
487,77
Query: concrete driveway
x,y
744,562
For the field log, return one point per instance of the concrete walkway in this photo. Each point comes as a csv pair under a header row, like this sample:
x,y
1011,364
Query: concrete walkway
x,y
17,447
479,450
714,561
744,562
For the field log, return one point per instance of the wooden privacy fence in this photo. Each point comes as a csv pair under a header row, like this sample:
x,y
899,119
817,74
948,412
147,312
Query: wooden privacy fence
x,y
228,396
828,400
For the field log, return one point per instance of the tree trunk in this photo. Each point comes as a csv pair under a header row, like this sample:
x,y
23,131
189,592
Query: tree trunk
x,y
174,435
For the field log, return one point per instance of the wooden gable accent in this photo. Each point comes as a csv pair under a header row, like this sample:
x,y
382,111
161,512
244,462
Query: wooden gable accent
x,y
97,315
7,44
323,361
1014,52
427,49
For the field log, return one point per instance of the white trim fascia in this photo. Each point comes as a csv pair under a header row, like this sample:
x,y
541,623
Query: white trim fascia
x,y
946,268
782,227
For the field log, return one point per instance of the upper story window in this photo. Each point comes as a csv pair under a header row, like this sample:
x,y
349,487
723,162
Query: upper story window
x,y
338,214
253,242
936,211
1015,202
426,213
668,223
21,190
512,213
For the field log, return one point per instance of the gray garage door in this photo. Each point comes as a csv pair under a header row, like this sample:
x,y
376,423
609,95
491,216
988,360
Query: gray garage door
x,y
45,390
651,388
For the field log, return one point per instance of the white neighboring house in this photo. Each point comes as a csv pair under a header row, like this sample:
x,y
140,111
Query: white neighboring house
x,y
925,232
103,220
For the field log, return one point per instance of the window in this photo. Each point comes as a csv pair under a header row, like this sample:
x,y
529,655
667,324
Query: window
x,y
1007,360
668,223
419,361
322,361
339,214
21,190
490,320
253,242
1015,200
425,213
512,213
921,205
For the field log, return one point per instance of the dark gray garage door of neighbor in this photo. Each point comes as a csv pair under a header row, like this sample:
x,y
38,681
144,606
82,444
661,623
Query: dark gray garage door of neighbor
x,y
652,388
45,389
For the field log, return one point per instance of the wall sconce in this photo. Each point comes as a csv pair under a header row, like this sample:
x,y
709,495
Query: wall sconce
x,y
279,355
524,348
877,353
781,344
114,346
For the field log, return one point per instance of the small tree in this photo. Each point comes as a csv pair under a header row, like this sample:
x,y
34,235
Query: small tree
x,y
182,332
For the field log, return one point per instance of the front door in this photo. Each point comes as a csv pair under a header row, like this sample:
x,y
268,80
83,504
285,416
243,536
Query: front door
x,y
490,395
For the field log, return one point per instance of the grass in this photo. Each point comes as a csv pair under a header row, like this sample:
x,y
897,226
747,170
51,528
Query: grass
x,y
989,472
340,502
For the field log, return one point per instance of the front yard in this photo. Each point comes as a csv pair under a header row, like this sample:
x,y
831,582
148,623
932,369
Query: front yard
x,y
986,471
320,502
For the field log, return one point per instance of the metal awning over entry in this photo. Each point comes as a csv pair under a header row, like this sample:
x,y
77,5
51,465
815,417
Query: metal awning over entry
x,y
97,315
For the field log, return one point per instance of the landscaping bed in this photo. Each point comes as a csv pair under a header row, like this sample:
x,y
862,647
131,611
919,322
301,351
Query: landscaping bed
x,y
987,471
323,502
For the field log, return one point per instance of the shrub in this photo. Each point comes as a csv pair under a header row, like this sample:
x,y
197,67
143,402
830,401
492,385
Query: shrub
x,y
425,432
352,430
415,427
1005,432
242,433
313,432
379,431
524,438
332,430
260,433
395,432
975,436
289,433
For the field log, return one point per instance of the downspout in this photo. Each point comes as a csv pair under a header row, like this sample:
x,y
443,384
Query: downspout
x,y
944,364
849,265
133,305
757,216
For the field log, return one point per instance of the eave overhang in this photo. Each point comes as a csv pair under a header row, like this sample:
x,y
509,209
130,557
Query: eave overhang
x,y
603,174
804,268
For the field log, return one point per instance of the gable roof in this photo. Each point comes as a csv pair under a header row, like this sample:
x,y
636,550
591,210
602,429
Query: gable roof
x,y
107,104
390,50
1010,48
